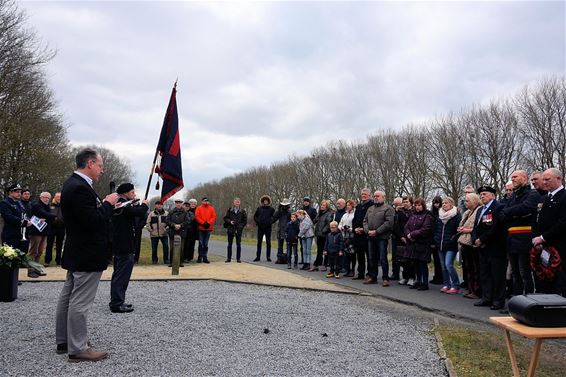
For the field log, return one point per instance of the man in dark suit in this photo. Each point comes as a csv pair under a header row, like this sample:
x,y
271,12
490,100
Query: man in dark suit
x,y
85,255
551,224
124,246
489,238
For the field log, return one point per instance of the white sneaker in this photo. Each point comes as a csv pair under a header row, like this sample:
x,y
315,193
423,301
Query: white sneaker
x,y
411,282
403,282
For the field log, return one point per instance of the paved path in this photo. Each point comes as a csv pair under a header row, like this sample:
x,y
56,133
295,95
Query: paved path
x,y
449,305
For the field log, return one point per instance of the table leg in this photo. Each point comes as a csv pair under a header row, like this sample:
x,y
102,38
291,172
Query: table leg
x,y
512,356
534,358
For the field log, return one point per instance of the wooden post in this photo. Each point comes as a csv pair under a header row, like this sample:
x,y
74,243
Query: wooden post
x,y
176,257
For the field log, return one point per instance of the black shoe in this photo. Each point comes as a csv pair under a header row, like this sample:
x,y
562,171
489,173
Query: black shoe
x,y
256,260
504,311
199,260
170,265
422,287
359,277
181,265
121,309
269,259
153,262
417,285
482,303
128,305
239,261
496,307
464,284
435,281
205,261
227,261
33,274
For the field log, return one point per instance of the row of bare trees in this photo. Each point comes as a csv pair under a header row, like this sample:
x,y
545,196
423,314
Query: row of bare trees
x,y
34,148
480,145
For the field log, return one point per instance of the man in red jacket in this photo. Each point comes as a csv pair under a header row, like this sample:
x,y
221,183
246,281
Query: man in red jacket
x,y
205,216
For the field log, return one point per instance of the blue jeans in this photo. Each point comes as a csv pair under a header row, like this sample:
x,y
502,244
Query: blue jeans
x,y
449,274
155,243
292,250
377,255
307,244
123,266
203,237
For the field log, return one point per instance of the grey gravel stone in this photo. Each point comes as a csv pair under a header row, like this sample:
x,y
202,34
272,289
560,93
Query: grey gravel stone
x,y
207,328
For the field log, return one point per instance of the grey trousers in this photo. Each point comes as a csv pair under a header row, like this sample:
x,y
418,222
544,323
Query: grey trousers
x,y
75,300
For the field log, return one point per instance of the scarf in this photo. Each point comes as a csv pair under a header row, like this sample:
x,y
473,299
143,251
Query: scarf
x,y
445,216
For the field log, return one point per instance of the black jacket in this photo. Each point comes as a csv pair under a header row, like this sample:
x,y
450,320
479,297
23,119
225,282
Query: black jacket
x,y
239,218
293,232
123,223
552,222
41,211
359,215
490,230
11,211
263,216
445,235
86,225
179,216
311,212
282,216
520,211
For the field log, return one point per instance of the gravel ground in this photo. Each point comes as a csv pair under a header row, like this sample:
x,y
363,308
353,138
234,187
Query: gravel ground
x,y
207,328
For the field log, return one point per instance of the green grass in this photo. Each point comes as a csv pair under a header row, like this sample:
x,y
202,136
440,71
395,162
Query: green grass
x,y
484,353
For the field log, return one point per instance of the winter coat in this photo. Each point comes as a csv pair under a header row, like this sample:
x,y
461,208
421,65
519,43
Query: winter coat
x,y
311,212
401,217
282,216
420,228
123,227
58,224
263,216
178,216
41,211
323,219
379,217
445,235
518,216
306,228
240,219
205,214
156,223
468,219
338,215
192,230
292,232
334,243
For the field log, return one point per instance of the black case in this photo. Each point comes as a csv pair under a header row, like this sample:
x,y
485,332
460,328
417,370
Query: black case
x,y
539,310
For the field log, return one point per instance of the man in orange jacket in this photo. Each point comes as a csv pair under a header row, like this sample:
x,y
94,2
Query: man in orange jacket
x,y
205,216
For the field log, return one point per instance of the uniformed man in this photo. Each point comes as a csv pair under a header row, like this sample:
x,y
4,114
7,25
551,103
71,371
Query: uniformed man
x,y
15,219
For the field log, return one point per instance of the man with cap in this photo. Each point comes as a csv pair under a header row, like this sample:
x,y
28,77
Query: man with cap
x,y
205,217
178,222
123,245
157,226
15,218
282,216
488,237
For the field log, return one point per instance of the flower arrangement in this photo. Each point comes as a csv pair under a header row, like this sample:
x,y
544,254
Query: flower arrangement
x,y
14,258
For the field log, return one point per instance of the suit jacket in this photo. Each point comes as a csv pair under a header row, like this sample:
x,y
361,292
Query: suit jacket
x,y
490,230
552,221
123,226
86,224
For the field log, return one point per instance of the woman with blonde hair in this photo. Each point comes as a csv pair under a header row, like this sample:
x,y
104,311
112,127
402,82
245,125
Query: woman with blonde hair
x,y
470,256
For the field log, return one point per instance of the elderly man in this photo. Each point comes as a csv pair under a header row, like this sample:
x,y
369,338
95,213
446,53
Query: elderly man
x,y
56,232
378,224
517,216
85,255
537,183
192,232
488,237
235,221
177,221
360,237
38,236
551,225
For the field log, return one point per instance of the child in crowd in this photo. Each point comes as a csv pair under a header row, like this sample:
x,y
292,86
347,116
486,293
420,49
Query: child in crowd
x,y
334,249
292,240
306,234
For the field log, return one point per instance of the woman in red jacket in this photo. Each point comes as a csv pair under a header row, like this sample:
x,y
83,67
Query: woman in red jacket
x,y
205,216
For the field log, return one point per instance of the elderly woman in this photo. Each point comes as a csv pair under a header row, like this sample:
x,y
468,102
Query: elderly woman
x,y
306,235
418,237
321,229
446,242
470,255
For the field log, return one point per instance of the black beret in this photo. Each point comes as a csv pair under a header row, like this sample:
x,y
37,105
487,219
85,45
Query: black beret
x,y
487,188
124,188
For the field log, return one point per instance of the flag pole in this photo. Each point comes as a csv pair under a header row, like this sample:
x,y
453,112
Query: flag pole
x,y
154,159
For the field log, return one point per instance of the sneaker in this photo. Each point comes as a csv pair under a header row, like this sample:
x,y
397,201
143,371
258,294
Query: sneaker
x,y
337,275
330,275
385,283
444,289
453,291
403,282
411,282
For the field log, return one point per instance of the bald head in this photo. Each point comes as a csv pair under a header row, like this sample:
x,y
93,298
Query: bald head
x,y
519,178
552,179
398,202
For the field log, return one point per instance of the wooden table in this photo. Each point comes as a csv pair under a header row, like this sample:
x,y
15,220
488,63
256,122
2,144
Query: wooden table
x,y
538,333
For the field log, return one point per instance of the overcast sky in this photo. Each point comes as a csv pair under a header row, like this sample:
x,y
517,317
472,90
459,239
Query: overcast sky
x,y
260,81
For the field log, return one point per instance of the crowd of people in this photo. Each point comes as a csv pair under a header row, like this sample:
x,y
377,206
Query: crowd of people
x,y
507,246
